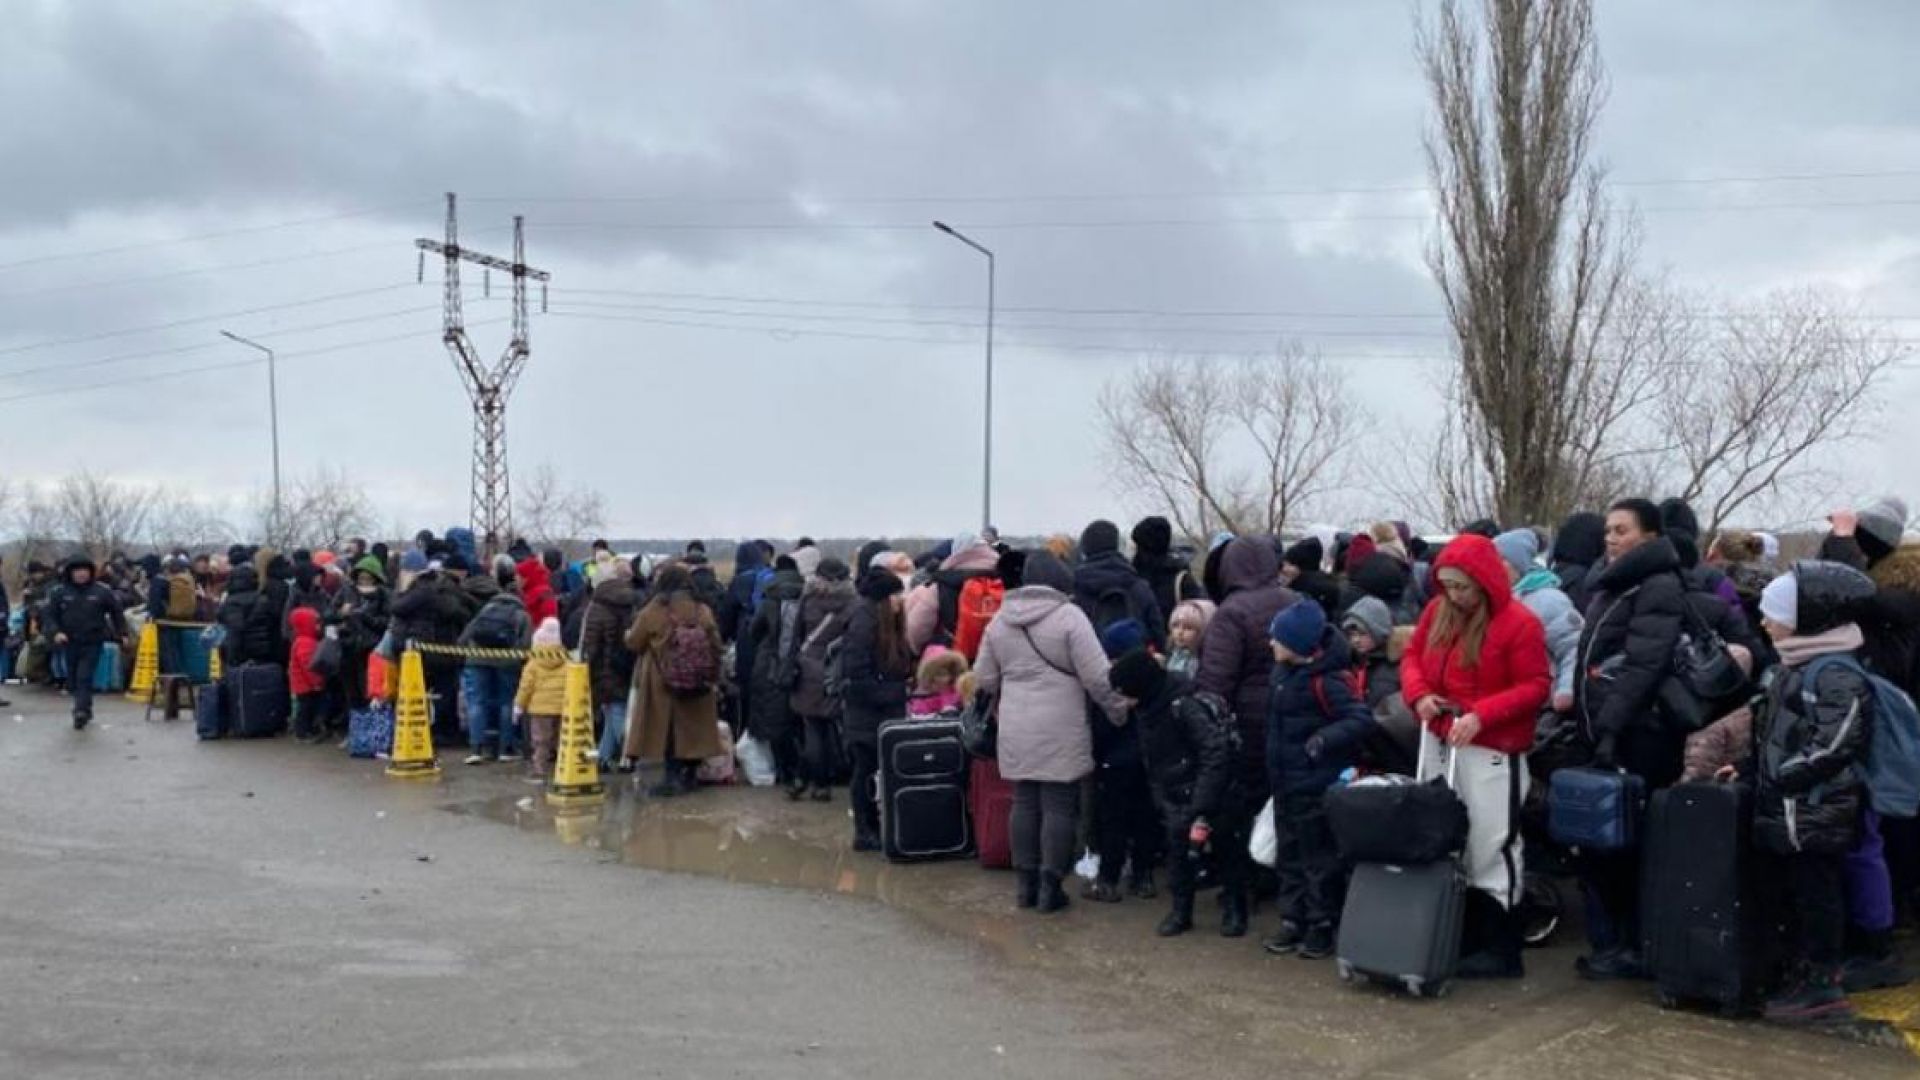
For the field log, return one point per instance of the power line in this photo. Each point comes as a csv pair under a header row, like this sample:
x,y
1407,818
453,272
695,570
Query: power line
x,y
1144,312
1150,196
217,317
246,230
178,350
1144,223
223,366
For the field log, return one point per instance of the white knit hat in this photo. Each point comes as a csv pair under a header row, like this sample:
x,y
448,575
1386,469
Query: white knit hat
x,y
1780,600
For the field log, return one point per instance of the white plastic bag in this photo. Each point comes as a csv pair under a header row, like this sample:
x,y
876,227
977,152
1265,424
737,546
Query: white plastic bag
x,y
718,769
1089,866
1264,845
756,760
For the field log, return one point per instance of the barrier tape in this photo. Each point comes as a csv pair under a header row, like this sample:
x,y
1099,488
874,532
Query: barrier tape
x,y
177,625
476,652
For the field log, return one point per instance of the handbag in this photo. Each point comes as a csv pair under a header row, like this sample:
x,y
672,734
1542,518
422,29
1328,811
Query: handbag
x,y
1702,661
979,726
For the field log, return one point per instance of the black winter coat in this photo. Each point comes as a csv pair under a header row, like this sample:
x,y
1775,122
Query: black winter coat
x,y
1236,658
88,614
431,610
1316,724
768,717
1808,796
1891,620
876,685
362,628
1111,576
1191,756
1172,582
251,621
603,641
1634,623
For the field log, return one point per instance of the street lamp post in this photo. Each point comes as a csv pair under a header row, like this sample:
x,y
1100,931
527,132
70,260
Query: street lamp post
x,y
986,467
273,406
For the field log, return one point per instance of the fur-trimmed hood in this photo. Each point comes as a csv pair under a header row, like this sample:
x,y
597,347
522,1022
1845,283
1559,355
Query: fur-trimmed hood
x,y
1900,570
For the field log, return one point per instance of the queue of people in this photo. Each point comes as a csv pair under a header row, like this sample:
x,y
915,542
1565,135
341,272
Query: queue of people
x,y
1148,706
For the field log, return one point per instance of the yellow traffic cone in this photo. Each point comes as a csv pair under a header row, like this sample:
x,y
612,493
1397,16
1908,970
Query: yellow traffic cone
x,y
576,772
146,665
412,757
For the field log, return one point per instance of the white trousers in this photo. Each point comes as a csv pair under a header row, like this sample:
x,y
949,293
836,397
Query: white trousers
x,y
1493,785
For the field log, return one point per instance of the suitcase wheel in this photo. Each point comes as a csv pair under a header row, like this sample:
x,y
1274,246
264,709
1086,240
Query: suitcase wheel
x,y
1434,990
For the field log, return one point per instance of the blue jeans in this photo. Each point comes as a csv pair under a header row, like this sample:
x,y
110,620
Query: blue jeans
x,y
613,736
489,692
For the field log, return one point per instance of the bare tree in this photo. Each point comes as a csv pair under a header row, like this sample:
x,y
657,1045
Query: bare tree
x,y
1245,447
34,523
1528,263
550,513
320,510
180,522
1777,381
100,514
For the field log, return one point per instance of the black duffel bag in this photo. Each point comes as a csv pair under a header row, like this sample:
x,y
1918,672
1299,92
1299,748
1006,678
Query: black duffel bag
x,y
1397,820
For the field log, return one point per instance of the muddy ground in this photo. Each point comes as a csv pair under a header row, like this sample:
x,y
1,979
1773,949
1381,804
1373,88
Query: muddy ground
x,y
265,909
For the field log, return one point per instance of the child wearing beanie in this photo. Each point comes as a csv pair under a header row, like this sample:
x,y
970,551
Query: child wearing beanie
x,y
1316,723
542,697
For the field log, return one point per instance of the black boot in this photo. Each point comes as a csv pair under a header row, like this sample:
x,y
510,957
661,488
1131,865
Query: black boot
x,y
1500,940
1233,913
1180,919
1052,897
1027,893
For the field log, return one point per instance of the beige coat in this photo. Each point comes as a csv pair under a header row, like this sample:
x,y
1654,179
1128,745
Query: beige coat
x,y
694,722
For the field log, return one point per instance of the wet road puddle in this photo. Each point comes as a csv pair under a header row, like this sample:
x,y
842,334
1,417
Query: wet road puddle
x,y
757,837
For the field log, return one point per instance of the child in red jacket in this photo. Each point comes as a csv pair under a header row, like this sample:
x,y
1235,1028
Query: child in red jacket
x,y
309,686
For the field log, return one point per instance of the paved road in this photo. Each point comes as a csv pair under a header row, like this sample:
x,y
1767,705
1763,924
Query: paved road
x,y
246,910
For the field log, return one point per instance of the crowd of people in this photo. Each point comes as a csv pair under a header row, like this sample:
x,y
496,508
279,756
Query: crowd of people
x,y
1149,705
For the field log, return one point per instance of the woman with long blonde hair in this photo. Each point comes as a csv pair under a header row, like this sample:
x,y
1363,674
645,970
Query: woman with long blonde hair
x,y
1477,676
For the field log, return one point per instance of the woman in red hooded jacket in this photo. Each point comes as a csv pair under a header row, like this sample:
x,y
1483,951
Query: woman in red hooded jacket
x,y
1477,675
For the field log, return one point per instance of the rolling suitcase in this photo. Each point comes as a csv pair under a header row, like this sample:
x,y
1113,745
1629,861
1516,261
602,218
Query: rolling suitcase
x,y
923,790
1596,809
1696,918
1402,922
990,796
210,712
257,702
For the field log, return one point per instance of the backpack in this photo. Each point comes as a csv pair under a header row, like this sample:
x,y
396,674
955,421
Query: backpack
x,y
688,665
833,681
495,627
786,664
948,586
1112,607
761,579
1891,770
1356,685
182,602
980,601
1220,715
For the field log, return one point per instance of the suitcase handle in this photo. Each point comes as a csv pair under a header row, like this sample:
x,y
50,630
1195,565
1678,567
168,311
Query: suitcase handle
x,y
1420,756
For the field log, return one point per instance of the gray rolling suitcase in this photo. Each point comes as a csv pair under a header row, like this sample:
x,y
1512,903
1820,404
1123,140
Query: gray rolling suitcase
x,y
1401,924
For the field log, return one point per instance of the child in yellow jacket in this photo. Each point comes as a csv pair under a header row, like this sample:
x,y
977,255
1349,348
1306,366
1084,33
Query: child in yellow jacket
x,y
542,696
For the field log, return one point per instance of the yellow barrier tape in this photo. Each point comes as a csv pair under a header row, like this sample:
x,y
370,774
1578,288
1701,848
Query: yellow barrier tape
x,y
178,625
475,652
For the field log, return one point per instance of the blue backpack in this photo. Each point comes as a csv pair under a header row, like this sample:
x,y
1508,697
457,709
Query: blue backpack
x,y
1892,767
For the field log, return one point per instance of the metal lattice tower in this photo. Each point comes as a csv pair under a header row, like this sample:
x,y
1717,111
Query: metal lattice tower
x,y
491,509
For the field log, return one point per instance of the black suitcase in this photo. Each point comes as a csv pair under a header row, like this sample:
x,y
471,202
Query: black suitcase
x,y
257,703
1697,921
210,712
923,790
1401,925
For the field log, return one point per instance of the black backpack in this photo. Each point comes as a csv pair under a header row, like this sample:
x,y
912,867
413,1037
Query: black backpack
x,y
1114,606
495,627
786,664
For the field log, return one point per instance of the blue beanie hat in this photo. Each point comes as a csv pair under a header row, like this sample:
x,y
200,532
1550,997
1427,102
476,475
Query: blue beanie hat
x,y
1299,627
1123,636
413,561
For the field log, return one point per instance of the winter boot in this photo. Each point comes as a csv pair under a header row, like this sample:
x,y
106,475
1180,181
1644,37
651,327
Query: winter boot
x,y
1180,919
1052,897
1141,884
1101,892
1817,1000
1233,914
1499,954
1872,964
1027,892
1285,940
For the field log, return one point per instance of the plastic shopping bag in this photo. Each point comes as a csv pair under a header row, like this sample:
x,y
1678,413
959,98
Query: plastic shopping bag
x,y
756,760
1264,845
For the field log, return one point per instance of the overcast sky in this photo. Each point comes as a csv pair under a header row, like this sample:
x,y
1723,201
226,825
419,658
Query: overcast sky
x,y
751,327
